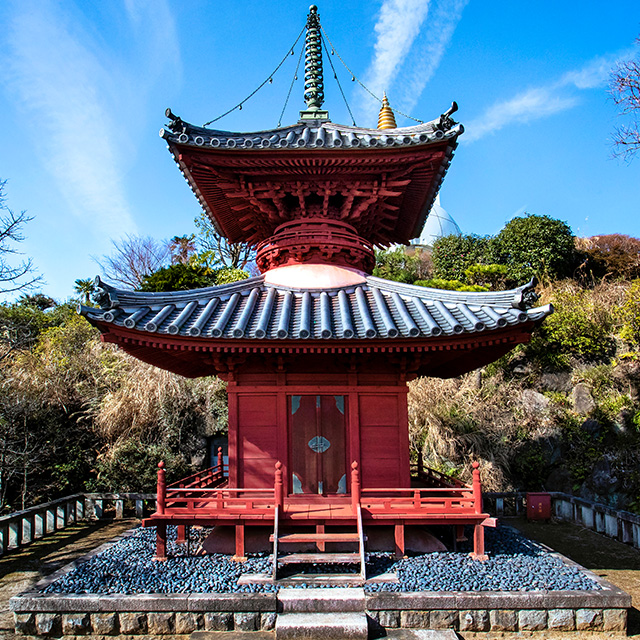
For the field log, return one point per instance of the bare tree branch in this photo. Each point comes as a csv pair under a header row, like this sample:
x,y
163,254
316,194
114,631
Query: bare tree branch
x,y
133,258
14,277
624,87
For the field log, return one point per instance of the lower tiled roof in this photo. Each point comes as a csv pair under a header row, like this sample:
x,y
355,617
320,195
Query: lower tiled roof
x,y
254,310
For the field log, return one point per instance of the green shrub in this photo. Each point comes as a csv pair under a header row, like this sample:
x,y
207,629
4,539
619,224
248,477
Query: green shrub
x,y
490,276
451,285
396,264
630,315
536,246
452,255
577,329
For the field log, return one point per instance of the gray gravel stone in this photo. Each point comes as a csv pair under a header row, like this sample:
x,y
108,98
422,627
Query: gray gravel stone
x,y
48,624
503,620
414,619
532,620
75,624
246,621
614,620
104,624
474,620
561,620
589,619
133,623
218,621
444,619
25,623
160,623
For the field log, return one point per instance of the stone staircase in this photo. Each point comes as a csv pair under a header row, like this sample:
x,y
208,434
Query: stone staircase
x,y
321,613
320,539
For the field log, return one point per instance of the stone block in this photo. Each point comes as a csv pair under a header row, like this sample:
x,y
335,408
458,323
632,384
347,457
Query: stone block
x,y
414,619
104,624
187,622
444,619
532,619
75,624
246,621
48,624
588,619
25,623
561,620
267,621
474,620
614,620
160,623
218,621
389,619
133,623
503,620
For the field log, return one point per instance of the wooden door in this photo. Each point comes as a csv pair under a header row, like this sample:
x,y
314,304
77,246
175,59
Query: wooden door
x,y
317,426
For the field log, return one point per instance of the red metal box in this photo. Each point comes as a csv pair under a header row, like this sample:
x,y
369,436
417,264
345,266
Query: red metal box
x,y
538,506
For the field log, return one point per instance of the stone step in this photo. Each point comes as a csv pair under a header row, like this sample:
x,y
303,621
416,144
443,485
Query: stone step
x,y
352,579
320,558
338,599
316,537
321,626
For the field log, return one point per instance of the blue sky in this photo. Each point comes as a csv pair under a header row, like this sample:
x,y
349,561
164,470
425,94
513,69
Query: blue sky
x,y
84,85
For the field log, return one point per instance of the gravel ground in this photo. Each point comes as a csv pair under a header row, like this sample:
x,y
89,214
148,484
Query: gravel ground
x,y
515,564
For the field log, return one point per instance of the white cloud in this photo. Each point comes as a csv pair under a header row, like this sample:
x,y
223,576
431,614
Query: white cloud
x,y
540,102
428,54
398,24
80,93
524,107
411,38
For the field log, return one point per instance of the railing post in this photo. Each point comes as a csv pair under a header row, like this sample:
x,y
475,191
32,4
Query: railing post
x,y
356,489
279,486
161,494
119,508
477,487
139,509
220,462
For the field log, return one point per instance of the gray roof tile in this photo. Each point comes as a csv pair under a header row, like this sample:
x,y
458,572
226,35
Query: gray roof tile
x,y
252,309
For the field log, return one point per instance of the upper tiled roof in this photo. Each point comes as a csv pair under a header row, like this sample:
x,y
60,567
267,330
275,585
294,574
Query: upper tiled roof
x,y
254,310
314,134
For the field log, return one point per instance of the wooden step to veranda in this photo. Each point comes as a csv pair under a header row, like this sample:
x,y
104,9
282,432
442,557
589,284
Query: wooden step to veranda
x,y
292,538
320,558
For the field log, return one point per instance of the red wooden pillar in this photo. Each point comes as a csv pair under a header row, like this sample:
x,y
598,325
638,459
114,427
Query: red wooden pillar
x,y
398,536
181,538
278,486
356,488
478,529
240,555
220,462
161,527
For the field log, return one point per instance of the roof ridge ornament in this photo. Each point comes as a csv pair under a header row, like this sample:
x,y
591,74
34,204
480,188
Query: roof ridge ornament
x,y
313,77
386,119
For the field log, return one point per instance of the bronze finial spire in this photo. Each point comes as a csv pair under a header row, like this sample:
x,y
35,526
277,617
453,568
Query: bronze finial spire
x,y
313,79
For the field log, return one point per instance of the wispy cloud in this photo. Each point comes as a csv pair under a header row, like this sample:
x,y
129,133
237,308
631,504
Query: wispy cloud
x,y
408,50
63,76
540,102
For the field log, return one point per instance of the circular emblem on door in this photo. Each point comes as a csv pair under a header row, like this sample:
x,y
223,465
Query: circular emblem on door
x,y
319,444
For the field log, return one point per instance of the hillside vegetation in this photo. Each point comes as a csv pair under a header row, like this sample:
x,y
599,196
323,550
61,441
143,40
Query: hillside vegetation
x,y
561,413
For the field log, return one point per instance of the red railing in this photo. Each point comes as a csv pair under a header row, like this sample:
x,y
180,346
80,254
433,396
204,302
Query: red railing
x,y
189,497
213,476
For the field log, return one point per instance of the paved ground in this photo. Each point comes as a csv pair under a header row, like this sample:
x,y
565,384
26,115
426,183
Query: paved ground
x,y
618,563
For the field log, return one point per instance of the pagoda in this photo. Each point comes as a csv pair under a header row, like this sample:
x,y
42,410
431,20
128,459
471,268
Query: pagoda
x,y
317,352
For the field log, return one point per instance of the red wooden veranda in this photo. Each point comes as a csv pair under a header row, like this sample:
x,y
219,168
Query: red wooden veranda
x,y
204,499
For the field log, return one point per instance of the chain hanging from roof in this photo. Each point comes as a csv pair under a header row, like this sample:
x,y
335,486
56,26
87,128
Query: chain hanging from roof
x,y
314,80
